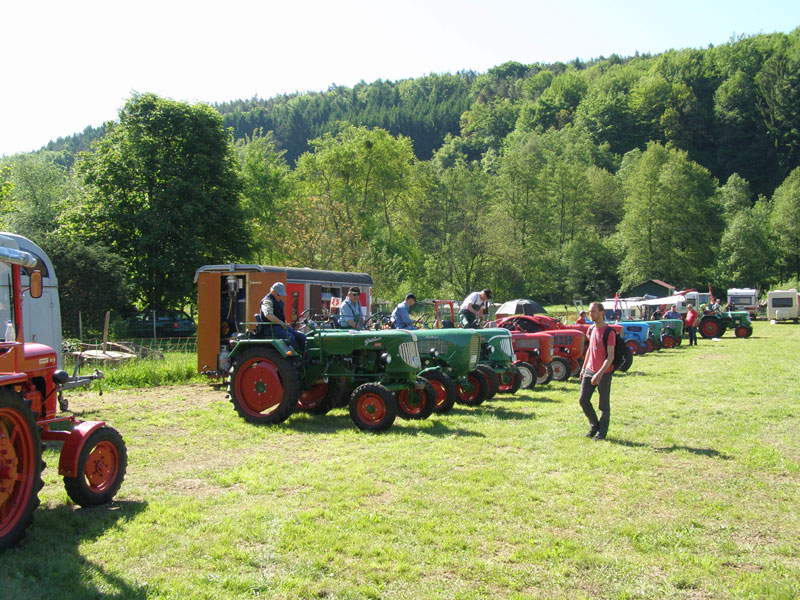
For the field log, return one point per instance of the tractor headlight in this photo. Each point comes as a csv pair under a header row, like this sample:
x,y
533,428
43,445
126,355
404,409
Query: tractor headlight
x,y
385,359
434,353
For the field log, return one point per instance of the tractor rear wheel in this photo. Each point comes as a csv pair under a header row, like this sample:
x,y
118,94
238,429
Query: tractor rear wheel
x,y
475,392
101,468
372,407
445,389
650,345
561,368
527,375
743,331
20,467
492,379
627,361
668,341
263,386
319,399
547,377
416,404
710,327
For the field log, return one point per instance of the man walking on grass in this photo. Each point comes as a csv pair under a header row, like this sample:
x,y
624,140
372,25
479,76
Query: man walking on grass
x,y
596,372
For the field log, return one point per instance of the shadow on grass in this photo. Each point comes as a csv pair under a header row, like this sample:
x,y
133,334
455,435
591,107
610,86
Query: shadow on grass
x,y
333,422
55,538
708,452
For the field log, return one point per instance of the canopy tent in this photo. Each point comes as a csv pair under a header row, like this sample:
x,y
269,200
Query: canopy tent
x,y
520,306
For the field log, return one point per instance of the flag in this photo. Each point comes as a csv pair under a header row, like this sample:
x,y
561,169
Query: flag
x,y
710,293
616,299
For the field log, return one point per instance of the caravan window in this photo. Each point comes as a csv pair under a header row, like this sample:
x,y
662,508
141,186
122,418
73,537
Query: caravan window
x,y
782,302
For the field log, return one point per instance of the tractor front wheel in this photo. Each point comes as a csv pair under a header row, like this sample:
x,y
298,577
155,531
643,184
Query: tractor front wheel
x,y
20,467
561,368
743,331
668,341
445,390
413,403
264,386
492,379
475,391
710,327
547,377
101,468
527,375
372,407
510,381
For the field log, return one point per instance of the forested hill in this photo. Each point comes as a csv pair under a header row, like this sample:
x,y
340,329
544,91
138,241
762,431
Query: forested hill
x,y
732,107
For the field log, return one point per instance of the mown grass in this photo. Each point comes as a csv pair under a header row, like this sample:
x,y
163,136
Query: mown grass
x,y
694,495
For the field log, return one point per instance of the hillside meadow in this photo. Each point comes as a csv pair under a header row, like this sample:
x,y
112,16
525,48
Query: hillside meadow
x,y
696,494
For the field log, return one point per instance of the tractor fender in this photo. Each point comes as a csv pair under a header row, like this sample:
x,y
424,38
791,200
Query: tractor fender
x,y
71,451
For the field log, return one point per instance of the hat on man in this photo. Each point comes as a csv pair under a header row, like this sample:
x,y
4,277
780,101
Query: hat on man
x,y
278,288
488,293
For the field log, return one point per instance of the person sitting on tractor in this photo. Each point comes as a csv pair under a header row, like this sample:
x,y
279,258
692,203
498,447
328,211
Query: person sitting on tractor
x,y
472,308
581,319
272,312
657,314
401,319
350,316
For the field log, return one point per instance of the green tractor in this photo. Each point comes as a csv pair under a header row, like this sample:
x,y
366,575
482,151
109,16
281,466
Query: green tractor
x,y
714,325
672,332
497,361
654,335
268,380
449,359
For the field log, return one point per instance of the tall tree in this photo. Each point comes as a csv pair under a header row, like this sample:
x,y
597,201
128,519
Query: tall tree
x,y
164,195
785,222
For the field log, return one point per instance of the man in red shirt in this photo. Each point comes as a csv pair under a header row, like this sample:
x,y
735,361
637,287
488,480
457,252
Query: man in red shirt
x,y
691,324
596,373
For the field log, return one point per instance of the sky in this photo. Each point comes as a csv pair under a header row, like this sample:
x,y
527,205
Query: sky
x,y
68,65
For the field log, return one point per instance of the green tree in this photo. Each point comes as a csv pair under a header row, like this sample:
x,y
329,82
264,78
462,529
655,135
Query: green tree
x,y
671,224
785,223
746,254
164,194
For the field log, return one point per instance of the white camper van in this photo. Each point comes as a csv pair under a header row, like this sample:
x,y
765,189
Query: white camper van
x,y
42,318
783,305
744,299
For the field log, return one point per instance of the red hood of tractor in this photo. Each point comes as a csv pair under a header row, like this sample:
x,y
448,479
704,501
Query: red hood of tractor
x,y
38,356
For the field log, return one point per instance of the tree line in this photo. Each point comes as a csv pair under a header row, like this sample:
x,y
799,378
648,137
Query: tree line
x,y
548,181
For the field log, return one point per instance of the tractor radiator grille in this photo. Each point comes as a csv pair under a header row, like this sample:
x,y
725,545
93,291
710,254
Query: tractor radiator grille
x,y
474,351
441,346
410,354
562,340
505,344
527,344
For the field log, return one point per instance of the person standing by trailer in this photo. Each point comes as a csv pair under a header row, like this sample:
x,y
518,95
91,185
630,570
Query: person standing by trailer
x,y
691,324
401,317
596,373
472,307
272,311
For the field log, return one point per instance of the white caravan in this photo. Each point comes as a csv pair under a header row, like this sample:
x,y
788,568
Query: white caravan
x,y
783,305
744,299
42,318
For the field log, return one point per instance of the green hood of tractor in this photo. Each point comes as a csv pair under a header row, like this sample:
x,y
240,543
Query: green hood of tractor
x,y
459,349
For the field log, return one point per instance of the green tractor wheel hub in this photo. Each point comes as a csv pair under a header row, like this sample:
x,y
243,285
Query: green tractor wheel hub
x,y
261,387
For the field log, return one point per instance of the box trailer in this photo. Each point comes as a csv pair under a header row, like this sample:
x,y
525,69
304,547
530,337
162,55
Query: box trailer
x,y
783,305
229,296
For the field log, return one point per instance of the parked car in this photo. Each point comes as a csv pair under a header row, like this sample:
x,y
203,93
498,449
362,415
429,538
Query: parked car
x,y
168,323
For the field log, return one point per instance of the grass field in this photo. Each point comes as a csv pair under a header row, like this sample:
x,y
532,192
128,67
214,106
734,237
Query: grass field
x,y
696,494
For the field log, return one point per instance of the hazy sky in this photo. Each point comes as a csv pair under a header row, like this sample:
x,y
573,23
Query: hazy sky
x,y
67,65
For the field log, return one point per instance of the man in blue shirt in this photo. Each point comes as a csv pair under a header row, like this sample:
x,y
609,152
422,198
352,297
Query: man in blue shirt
x,y
400,315
672,313
350,316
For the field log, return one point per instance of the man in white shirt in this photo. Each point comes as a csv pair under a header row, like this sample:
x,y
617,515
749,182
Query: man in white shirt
x,y
472,308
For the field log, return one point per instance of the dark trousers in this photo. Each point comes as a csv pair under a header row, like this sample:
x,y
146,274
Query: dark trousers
x,y
692,335
468,319
296,339
604,389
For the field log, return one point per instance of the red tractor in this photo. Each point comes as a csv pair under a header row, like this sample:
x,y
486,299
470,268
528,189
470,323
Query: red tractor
x,y
536,349
568,342
93,456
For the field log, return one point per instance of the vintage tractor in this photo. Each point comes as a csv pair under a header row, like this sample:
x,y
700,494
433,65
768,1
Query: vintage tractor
x,y
93,456
449,360
654,335
268,380
714,325
498,362
568,343
635,335
534,351
672,333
